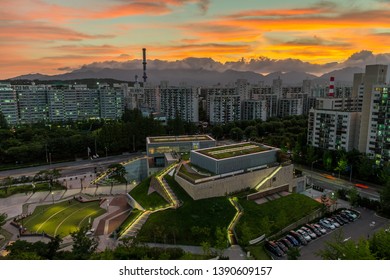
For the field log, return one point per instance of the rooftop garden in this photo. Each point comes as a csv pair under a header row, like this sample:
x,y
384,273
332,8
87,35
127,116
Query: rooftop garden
x,y
179,138
234,150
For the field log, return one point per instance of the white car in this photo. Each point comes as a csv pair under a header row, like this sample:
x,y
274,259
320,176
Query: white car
x,y
320,228
333,221
304,234
351,213
309,232
327,224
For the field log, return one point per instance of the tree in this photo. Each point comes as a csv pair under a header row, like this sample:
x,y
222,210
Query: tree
x,y
250,132
327,159
342,164
3,219
236,133
340,249
293,253
385,199
83,246
119,172
205,248
221,240
53,246
217,132
380,245
3,121
353,195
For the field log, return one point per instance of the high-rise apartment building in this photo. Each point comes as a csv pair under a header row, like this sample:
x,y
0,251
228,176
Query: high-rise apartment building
x,y
8,103
254,110
378,137
181,101
374,75
333,129
223,104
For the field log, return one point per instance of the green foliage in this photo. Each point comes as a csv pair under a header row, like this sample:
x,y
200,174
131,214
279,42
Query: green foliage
x,y
3,219
193,223
119,172
217,132
293,253
147,201
385,199
3,121
83,246
236,133
263,218
342,164
339,249
353,195
327,160
380,245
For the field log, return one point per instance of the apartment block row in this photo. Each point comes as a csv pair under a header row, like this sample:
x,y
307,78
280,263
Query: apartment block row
x,y
222,104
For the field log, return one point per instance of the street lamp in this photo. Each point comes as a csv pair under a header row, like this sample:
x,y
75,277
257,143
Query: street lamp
x,y
52,196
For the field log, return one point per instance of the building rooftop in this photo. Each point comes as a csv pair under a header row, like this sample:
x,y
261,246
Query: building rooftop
x,y
234,150
181,138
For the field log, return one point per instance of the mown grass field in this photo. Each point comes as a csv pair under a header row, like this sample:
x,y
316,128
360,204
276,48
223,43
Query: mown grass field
x,y
272,216
62,218
191,224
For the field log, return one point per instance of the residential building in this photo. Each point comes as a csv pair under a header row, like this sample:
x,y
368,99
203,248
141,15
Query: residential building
x,y
333,129
223,104
8,104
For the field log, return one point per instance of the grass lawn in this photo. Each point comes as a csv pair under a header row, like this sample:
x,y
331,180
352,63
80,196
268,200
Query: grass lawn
x,y
194,222
147,201
39,187
258,252
272,216
7,236
62,218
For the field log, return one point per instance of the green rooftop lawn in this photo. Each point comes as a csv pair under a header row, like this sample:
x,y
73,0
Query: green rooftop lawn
x,y
192,175
234,150
62,218
147,201
178,139
272,216
191,224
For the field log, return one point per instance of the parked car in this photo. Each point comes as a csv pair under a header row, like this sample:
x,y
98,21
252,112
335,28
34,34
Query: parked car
x,y
293,240
327,224
337,219
286,242
314,229
345,220
320,228
281,246
346,216
299,237
304,234
352,213
336,224
309,232
274,249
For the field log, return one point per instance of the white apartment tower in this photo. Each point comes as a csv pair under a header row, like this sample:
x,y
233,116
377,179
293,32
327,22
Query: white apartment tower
x,y
180,101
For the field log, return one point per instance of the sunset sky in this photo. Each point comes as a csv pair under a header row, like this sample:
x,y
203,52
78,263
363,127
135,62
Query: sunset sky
x,y
56,36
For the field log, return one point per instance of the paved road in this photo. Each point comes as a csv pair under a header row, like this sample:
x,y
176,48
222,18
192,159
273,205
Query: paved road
x,y
364,227
319,179
70,168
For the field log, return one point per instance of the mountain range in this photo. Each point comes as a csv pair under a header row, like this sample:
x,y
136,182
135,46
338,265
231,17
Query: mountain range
x,y
197,77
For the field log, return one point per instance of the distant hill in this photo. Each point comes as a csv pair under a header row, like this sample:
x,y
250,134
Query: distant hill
x,y
194,77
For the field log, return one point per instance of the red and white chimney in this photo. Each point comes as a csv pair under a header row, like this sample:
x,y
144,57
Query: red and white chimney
x,y
331,87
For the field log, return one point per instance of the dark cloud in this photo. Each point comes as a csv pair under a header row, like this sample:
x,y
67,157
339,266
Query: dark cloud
x,y
259,65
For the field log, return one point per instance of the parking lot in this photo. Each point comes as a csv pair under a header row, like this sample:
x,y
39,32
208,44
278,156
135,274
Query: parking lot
x,y
364,227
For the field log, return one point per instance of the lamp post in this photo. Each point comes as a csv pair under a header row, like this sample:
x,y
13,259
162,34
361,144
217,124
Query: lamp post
x,y
52,196
126,184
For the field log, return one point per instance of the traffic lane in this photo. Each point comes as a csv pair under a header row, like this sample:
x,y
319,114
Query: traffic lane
x,y
364,227
372,194
69,167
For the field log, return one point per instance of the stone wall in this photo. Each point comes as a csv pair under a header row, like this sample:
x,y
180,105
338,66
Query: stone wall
x,y
224,186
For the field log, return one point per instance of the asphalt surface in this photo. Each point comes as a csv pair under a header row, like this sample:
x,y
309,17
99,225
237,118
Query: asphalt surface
x,y
70,168
362,228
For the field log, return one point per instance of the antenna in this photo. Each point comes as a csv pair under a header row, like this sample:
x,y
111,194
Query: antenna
x,y
144,64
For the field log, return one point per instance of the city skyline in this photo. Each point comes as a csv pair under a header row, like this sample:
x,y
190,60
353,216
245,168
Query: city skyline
x,y
53,37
